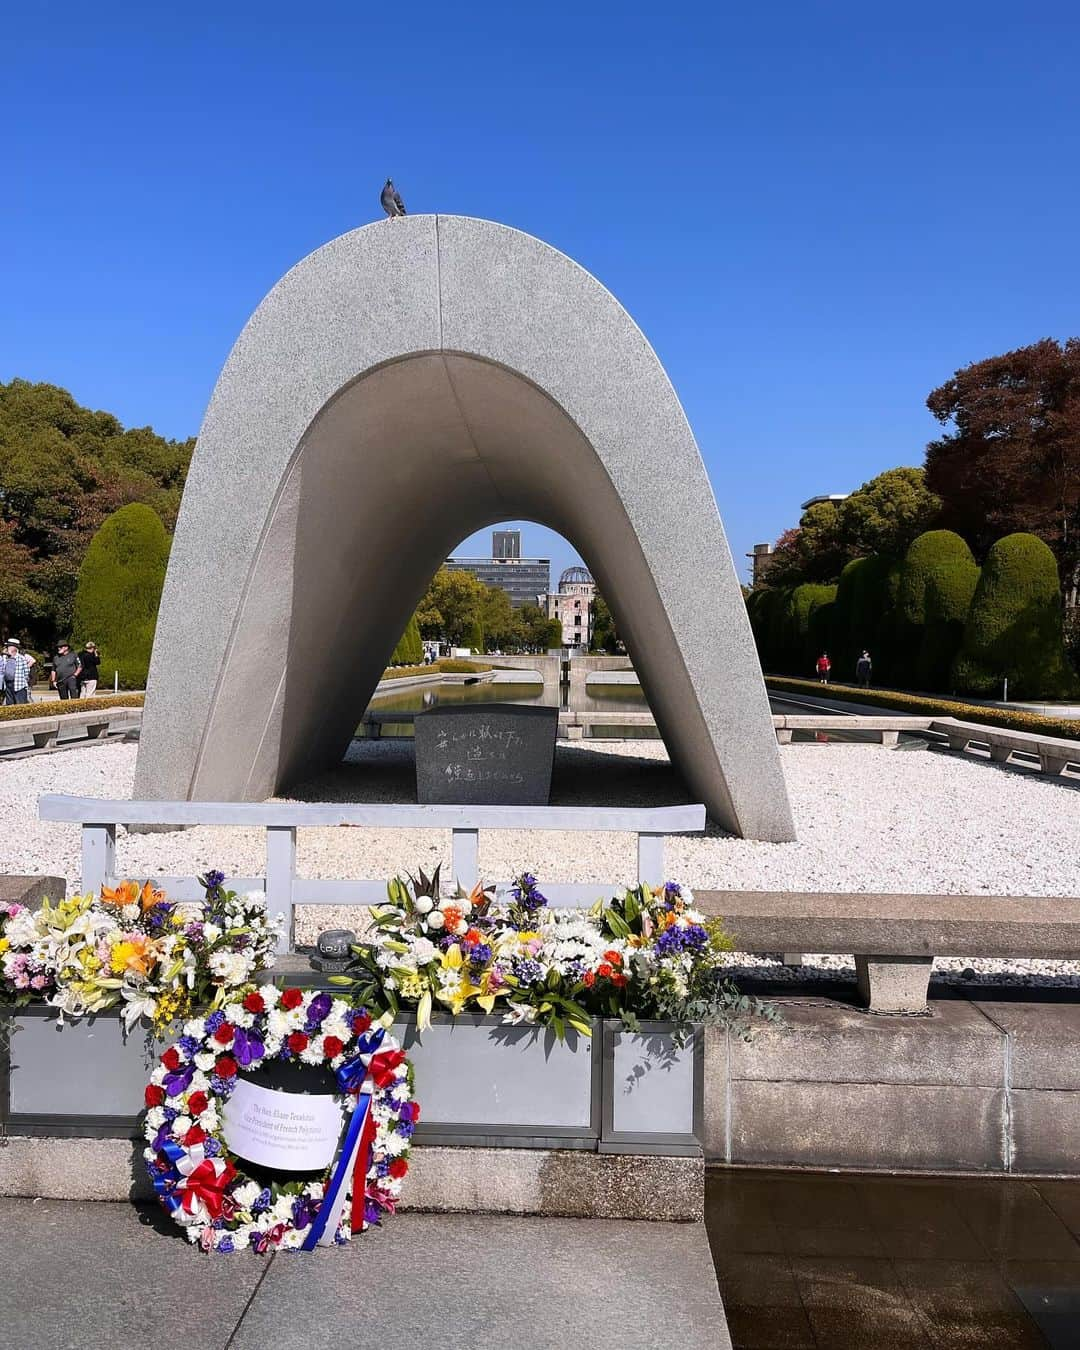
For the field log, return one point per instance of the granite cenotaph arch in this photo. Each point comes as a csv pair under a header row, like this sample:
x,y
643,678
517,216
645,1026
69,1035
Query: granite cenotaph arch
x,y
401,387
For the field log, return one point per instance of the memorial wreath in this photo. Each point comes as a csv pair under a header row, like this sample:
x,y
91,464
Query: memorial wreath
x,y
239,1164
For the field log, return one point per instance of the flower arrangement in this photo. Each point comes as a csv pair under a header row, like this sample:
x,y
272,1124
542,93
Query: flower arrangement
x,y
209,1190
134,948
646,954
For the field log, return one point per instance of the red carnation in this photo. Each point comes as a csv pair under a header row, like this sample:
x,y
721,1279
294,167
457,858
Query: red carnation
x,y
196,1135
224,1034
171,1059
197,1103
590,979
332,1047
360,1023
618,980
292,998
154,1095
415,1112
297,1042
603,970
614,957
398,1168
225,1067
253,1003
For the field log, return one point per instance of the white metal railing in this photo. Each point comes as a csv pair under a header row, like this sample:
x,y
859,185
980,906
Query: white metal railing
x,y
99,819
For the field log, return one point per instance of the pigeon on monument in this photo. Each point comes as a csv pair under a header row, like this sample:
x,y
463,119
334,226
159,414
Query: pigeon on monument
x,y
391,200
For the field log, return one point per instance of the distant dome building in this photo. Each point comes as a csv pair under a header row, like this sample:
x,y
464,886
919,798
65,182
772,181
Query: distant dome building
x,y
572,606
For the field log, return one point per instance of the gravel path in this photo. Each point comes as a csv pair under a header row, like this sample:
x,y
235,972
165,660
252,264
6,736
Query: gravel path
x,y
868,820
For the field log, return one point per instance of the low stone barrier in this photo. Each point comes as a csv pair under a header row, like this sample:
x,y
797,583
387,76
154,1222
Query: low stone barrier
x,y
1054,753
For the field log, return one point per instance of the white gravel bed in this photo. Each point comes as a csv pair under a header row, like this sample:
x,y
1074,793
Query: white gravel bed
x,y
868,819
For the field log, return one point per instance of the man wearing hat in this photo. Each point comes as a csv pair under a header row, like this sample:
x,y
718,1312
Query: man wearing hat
x,y
15,672
66,670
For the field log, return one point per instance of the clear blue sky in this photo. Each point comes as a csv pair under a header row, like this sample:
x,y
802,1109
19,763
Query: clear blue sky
x,y
816,212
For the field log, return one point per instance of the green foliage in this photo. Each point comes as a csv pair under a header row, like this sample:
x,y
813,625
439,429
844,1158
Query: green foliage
x,y
604,637
802,634
119,589
887,513
1014,628
410,648
474,638
537,632
446,665
937,582
63,470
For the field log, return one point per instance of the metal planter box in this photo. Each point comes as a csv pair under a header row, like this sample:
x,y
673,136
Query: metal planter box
x,y
479,1082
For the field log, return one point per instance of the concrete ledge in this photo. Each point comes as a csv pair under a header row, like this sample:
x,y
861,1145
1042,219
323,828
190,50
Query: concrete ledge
x,y
559,1183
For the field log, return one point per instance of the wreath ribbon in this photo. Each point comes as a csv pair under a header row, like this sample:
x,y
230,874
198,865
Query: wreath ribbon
x,y
359,1075
194,1183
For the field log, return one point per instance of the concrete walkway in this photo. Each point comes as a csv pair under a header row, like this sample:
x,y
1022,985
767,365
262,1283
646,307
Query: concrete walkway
x,y
79,1276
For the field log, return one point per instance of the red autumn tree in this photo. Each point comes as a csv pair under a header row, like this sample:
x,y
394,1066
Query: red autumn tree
x,y
1012,458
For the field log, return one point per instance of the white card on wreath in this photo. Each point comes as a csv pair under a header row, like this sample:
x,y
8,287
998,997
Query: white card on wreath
x,y
290,1131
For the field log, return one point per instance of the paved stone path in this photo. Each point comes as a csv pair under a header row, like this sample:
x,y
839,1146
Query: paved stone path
x,y
80,1276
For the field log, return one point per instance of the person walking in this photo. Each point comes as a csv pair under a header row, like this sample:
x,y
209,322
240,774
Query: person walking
x,y
863,667
90,661
15,667
66,670
824,666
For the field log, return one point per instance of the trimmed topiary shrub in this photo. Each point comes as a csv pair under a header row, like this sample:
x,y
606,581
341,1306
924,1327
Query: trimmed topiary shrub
x,y
410,648
120,581
937,582
474,637
864,617
803,633
1014,627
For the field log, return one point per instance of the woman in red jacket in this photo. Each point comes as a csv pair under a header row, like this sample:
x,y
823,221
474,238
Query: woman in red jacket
x,y
824,665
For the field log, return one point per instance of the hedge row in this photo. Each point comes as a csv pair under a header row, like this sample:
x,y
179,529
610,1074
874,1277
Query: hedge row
x,y
445,666
939,707
59,707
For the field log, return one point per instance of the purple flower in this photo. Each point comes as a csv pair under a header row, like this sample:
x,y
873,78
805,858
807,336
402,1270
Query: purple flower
x,y
188,1046
220,1087
214,878
318,1008
304,1211
246,1047
526,971
405,1128
692,938
480,954
226,1244
211,1147
214,1021
372,1212
262,1201
180,1081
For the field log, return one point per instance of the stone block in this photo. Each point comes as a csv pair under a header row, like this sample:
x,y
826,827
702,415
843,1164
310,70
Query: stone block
x,y
1045,1131
893,983
867,1125
1043,1041
491,754
823,1041
30,891
716,1142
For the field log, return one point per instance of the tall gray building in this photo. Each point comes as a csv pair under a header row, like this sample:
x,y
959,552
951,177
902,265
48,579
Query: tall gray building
x,y
525,580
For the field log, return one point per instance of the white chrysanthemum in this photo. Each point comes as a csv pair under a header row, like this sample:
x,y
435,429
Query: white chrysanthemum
x,y
271,994
205,1060
247,1193
312,1053
181,1125
155,1117
395,1144
278,1023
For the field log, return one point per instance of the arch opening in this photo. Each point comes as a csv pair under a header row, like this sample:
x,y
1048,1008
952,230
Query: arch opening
x,y
345,477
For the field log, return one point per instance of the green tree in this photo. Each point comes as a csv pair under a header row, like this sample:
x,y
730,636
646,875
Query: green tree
x,y
537,631
803,629
865,619
1014,627
410,648
120,581
496,618
887,513
63,469
604,638
450,607
937,582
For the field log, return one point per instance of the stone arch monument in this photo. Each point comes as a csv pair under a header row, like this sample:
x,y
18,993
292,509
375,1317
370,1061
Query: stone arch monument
x,y
401,387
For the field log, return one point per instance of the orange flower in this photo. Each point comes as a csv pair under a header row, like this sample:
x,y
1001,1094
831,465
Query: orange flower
x,y
129,893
